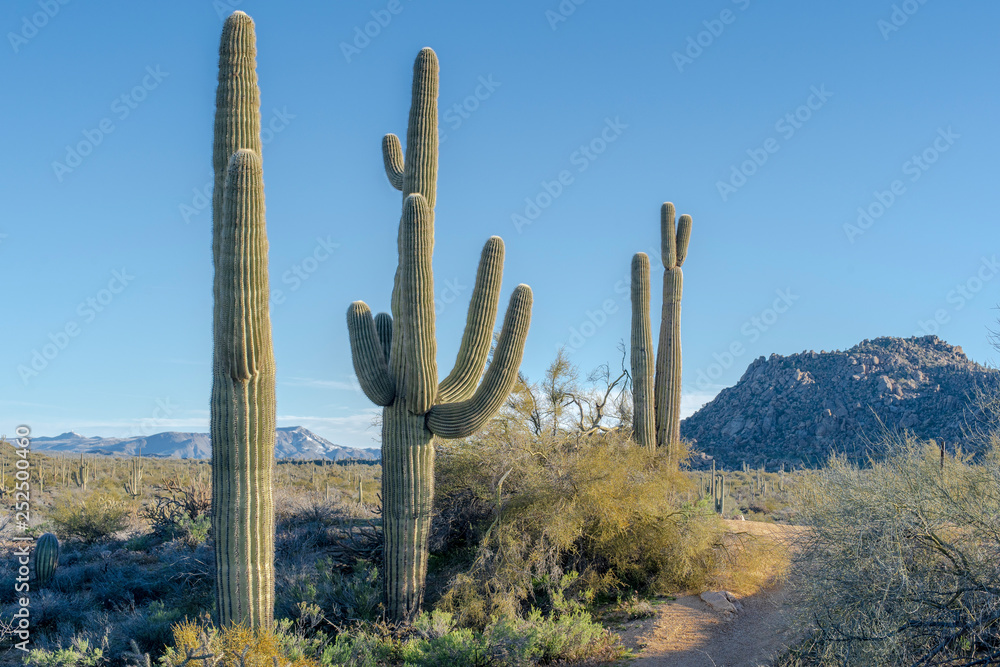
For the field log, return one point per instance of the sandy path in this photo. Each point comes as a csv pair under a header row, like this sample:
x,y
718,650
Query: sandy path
x,y
688,633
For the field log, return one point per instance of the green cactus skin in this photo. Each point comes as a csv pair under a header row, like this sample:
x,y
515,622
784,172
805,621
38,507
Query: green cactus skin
x,y
243,405
668,359
394,356
644,416
662,404
46,558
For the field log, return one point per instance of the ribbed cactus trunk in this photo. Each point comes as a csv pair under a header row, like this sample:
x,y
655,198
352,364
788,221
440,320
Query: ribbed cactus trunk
x,y
661,404
644,415
243,402
395,356
674,245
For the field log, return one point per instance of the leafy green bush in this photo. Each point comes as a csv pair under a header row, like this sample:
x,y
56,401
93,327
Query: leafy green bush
x,y
94,517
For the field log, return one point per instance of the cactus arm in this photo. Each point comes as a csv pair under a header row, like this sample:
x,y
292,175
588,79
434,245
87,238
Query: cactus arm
x,y
392,158
383,325
668,242
644,413
462,419
418,381
368,355
242,251
683,237
472,354
421,165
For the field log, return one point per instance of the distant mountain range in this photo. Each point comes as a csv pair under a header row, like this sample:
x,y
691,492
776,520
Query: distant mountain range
x,y
291,442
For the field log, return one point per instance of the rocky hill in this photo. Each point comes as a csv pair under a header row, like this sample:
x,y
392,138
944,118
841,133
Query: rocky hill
x,y
797,409
291,442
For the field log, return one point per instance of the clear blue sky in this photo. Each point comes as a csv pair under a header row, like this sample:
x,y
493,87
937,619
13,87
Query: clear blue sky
x,y
689,92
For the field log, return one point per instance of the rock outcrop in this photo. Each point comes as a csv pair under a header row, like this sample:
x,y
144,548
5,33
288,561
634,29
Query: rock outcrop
x,y
798,409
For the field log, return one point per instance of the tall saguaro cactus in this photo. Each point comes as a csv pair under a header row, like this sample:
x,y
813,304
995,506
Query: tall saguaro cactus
x,y
395,356
666,394
644,414
243,405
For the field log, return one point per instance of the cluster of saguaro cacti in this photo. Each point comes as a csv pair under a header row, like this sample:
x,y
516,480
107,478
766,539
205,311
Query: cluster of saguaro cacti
x,y
242,404
46,558
657,399
394,355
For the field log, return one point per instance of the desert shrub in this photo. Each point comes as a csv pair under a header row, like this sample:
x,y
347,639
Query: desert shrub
x,y
79,654
599,506
93,517
343,595
180,512
236,646
903,560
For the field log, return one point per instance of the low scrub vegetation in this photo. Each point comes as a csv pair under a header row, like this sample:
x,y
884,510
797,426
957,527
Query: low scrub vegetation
x,y
903,561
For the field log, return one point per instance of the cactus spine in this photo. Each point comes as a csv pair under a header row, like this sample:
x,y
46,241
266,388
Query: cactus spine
x,y
394,356
665,402
242,406
46,558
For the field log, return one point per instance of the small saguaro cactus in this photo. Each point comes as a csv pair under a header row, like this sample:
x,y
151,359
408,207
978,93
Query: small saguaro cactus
x,y
82,473
395,356
660,407
133,485
242,404
46,558
719,493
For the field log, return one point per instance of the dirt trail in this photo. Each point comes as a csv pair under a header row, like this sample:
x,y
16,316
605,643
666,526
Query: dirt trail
x,y
688,633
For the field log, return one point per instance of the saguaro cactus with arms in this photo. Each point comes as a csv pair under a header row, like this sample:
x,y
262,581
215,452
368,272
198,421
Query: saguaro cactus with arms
x,y
395,355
